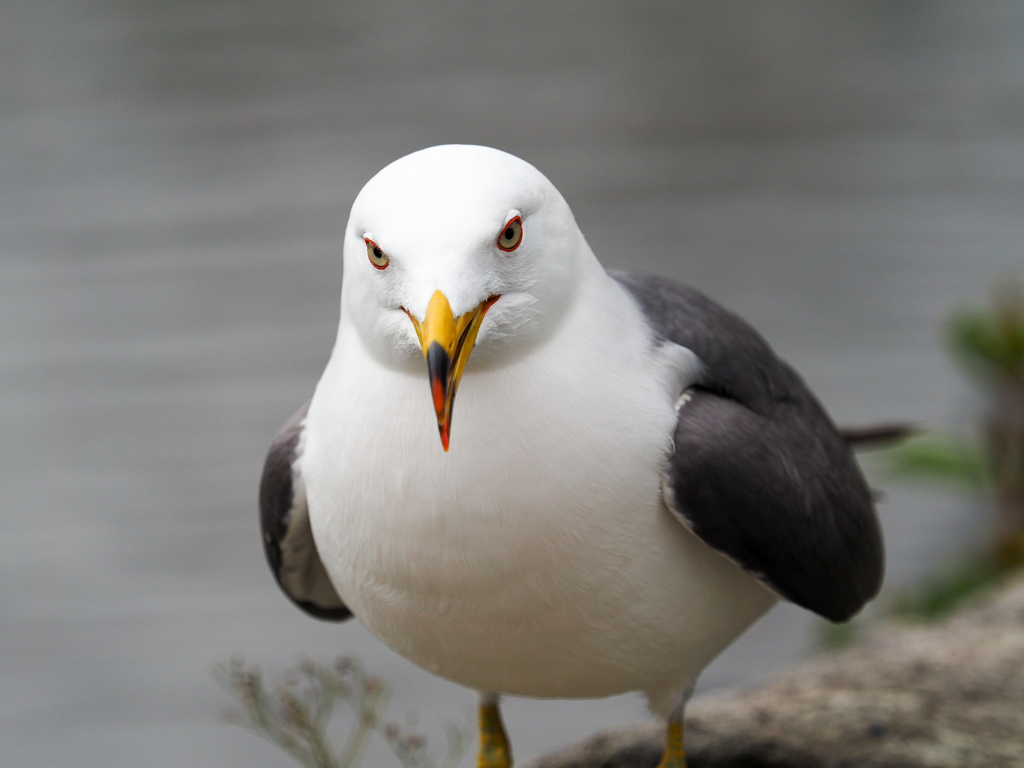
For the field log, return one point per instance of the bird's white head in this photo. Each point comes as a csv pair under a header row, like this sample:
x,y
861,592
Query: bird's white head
x,y
454,249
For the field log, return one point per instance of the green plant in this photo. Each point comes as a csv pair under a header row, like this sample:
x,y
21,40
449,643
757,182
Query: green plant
x,y
989,346
959,582
296,714
945,457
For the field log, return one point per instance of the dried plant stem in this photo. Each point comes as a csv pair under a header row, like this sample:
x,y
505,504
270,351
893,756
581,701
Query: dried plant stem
x,y
297,715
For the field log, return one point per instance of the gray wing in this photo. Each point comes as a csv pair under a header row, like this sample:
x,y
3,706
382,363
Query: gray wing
x,y
287,536
759,472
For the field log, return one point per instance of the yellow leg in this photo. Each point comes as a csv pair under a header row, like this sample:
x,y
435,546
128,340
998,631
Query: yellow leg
x,y
494,749
675,755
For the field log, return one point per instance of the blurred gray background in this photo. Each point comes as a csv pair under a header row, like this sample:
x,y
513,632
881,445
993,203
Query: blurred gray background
x,y
175,179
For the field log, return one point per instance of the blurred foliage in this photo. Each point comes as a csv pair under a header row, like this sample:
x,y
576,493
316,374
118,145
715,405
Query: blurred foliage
x,y
988,344
835,637
943,457
296,715
959,583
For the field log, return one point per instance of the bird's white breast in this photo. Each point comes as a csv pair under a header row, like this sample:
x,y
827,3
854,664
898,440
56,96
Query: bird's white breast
x,y
535,557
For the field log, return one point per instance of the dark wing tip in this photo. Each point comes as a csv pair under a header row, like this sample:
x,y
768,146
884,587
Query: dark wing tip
x,y
324,614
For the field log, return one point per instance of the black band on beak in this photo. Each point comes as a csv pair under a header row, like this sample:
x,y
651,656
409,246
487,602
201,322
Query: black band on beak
x,y
439,366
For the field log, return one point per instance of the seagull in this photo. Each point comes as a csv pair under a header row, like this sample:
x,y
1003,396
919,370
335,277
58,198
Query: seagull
x,y
632,477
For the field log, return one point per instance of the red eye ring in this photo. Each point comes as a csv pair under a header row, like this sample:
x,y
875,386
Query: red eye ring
x,y
377,257
511,235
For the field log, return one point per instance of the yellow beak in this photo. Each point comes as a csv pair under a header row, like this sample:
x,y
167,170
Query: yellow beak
x,y
446,342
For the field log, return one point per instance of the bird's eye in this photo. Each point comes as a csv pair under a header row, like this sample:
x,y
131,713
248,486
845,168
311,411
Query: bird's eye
x,y
378,258
511,235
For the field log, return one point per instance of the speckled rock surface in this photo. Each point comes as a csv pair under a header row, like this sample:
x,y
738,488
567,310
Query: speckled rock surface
x,y
943,696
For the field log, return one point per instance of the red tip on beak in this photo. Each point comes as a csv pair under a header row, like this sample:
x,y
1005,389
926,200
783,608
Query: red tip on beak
x,y
437,392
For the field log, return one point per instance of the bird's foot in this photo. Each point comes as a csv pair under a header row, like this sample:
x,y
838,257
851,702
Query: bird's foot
x,y
494,749
675,755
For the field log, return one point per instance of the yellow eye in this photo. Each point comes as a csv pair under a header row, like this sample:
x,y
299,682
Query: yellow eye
x,y
378,258
511,235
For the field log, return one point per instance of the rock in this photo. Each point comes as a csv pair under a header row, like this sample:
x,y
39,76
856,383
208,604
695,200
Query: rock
x,y
941,696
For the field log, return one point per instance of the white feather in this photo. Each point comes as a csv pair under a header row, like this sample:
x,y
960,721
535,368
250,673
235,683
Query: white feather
x,y
536,557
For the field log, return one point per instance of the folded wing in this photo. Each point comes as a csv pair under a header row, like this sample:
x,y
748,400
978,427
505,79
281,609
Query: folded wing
x,y
287,536
759,472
